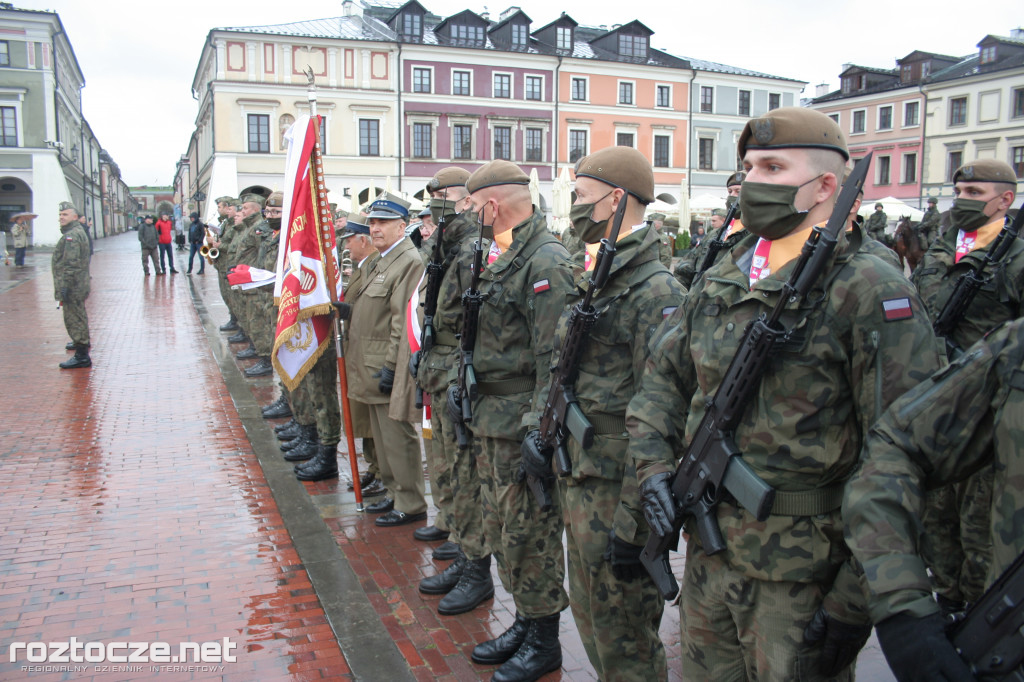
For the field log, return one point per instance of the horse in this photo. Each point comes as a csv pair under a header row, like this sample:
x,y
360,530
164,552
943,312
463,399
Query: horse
x,y
907,243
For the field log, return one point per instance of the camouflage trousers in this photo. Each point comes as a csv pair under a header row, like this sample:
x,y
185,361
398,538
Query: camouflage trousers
x,y
442,439
399,459
466,522
76,321
263,313
617,620
315,400
958,540
738,628
526,542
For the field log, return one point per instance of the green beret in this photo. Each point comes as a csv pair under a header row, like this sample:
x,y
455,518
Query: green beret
x,y
276,199
253,198
718,212
453,176
736,178
230,201
341,213
985,170
932,200
68,206
622,167
793,127
656,216
497,172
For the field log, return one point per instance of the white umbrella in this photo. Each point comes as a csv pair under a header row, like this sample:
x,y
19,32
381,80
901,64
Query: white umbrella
x,y
894,208
561,202
684,207
706,202
534,187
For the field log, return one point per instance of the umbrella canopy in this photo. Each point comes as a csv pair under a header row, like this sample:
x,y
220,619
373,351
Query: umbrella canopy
x,y
893,207
534,187
24,216
684,206
561,202
706,202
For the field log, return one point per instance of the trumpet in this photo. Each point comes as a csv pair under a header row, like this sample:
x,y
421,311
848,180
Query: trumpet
x,y
206,251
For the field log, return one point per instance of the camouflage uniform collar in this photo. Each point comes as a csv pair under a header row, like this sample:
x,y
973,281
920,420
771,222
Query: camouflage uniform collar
x,y
462,227
523,234
642,246
254,219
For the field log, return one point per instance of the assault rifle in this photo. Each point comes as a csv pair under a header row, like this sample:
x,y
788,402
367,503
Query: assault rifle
x,y
562,414
991,635
970,283
718,243
435,271
712,465
462,394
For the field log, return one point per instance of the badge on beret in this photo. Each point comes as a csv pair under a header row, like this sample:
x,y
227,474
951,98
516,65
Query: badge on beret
x,y
967,172
434,184
764,130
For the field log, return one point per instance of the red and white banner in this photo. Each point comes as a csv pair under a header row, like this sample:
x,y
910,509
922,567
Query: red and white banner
x,y
244,277
301,289
413,328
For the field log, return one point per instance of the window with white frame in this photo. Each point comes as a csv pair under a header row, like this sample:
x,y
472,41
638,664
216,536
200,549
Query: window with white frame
x,y
626,92
462,141
421,78
519,35
563,38
662,151
534,88
422,141
706,153
534,145
882,170
885,117
579,89
578,145
259,133
462,83
909,168
911,114
707,99
624,139
369,137
774,100
744,103
5,53
502,142
663,96
8,127
859,121
502,85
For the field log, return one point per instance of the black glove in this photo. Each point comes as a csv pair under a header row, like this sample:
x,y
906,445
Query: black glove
x,y
842,641
344,309
414,363
625,558
536,461
656,500
917,649
387,380
64,293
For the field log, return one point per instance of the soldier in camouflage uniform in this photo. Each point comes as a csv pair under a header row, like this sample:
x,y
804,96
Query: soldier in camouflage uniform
x,y
615,603
524,291
877,224
226,210
259,301
724,238
456,479
966,417
929,229
243,250
70,265
956,517
783,601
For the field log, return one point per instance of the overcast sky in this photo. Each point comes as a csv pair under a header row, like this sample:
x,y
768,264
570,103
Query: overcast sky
x,y
139,56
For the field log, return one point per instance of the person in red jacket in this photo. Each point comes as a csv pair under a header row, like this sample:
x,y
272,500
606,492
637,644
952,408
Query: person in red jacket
x,y
164,229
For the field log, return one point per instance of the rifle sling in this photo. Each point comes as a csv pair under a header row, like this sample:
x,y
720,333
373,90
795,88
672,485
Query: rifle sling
x,y
808,502
507,386
446,338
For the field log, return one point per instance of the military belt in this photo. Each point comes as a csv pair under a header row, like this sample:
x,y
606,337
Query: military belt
x,y
605,424
507,386
445,339
808,502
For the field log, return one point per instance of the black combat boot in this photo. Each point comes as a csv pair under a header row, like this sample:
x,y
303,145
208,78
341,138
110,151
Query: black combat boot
x,y
540,653
473,587
231,325
247,353
277,409
321,467
287,425
290,432
445,581
301,433
505,645
78,360
70,345
261,369
307,447
238,337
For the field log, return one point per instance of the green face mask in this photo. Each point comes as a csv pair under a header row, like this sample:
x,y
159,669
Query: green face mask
x,y
589,230
731,201
441,209
969,214
768,209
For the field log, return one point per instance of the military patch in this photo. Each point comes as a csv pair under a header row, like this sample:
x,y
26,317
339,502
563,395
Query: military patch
x,y
542,285
896,309
764,130
665,312
967,172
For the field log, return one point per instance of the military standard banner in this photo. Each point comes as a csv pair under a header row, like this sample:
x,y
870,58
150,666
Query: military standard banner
x,y
300,289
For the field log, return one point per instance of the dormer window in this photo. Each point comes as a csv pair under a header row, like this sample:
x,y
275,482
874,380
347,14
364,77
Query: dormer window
x,y
632,46
988,54
469,34
519,35
412,25
563,37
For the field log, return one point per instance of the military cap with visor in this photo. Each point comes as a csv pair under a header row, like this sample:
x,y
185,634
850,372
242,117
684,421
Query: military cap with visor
x,y
495,173
793,127
985,170
352,228
622,167
389,206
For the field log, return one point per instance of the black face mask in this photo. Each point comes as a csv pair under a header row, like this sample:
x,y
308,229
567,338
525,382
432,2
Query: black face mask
x,y
768,209
275,223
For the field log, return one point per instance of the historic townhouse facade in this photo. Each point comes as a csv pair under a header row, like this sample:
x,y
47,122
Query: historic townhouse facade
x,y
930,114
406,92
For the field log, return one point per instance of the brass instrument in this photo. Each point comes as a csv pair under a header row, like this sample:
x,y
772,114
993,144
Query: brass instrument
x,y
207,252
346,267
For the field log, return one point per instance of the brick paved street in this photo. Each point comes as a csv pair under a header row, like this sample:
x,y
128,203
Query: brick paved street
x,y
146,500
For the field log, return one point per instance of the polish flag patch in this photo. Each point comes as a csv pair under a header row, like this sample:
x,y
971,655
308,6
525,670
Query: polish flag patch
x,y
897,309
542,285
665,312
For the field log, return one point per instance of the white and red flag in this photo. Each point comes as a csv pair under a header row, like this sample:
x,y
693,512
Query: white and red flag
x,y
301,290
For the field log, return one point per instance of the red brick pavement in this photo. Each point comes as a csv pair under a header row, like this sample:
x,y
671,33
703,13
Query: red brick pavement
x,y
142,490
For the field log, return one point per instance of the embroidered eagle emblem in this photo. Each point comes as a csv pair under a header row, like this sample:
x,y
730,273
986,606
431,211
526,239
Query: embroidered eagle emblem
x,y
764,130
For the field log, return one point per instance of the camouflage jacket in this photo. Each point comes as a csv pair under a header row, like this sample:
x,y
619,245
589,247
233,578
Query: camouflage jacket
x,y
639,294
435,371
266,257
524,291
228,232
822,390
70,264
950,426
690,263
876,225
998,300
246,244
